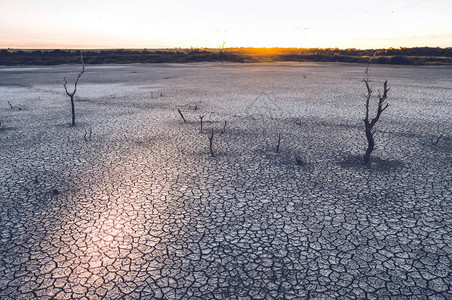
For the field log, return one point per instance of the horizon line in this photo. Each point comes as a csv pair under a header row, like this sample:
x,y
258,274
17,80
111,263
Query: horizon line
x,y
217,48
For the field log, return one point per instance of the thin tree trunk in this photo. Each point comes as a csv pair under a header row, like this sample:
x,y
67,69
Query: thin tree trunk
x,y
73,110
370,145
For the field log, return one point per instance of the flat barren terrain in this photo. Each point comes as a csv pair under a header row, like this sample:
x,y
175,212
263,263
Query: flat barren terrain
x,y
130,203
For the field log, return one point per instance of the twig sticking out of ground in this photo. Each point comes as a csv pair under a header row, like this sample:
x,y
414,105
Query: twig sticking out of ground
x,y
279,143
224,128
437,140
182,116
211,143
12,107
201,117
87,135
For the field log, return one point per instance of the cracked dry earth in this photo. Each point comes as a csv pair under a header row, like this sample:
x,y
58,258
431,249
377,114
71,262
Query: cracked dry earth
x,y
138,208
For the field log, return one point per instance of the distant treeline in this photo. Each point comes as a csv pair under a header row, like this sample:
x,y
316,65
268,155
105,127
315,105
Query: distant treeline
x,y
400,56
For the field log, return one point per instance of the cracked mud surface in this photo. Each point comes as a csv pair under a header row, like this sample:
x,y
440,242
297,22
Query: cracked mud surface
x,y
142,210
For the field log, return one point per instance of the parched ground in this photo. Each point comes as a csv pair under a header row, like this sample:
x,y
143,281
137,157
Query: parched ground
x,y
130,204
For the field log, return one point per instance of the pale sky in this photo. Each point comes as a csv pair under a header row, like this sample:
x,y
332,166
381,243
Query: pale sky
x,y
239,23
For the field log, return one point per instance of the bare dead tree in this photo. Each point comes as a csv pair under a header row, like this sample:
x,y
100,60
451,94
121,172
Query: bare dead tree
x,y
224,128
369,123
71,94
211,143
201,117
182,116
279,143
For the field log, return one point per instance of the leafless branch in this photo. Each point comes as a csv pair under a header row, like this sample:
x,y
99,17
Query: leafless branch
x,y
65,86
368,96
71,94
381,104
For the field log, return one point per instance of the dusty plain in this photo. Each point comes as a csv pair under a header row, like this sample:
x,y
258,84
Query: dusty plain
x,y
129,203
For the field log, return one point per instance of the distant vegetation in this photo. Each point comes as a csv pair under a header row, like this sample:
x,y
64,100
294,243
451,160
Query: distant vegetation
x,y
400,56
